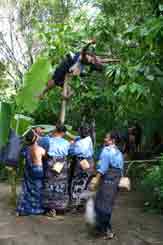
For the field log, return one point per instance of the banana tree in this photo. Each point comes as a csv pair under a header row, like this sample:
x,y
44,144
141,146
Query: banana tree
x,y
34,82
5,119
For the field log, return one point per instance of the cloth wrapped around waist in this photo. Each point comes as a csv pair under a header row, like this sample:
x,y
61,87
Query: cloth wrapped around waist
x,y
34,171
56,164
114,171
85,163
37,171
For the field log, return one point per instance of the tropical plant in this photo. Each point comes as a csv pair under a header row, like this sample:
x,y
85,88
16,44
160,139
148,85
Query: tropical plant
x,y
152,187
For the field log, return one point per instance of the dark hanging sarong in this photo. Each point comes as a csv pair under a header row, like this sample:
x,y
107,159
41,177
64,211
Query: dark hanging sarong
x,y
55,194
30,200
105,198
10,153
80,182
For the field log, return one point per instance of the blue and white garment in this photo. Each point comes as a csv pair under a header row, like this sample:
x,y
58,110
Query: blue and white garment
x,y
76,63
110,166
56,184
58,147
81,149
44,142
55,146
30,199
67,66
110,156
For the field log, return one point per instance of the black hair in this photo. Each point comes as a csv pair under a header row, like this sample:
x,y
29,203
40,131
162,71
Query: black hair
x,y
115,135
84,59
93,66
30,137
60,128
84,131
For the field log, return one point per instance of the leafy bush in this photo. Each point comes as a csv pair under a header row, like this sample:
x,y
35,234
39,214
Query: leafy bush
x,y
152,186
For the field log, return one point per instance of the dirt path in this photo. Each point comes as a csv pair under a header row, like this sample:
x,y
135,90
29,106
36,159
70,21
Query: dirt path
x,y
131,224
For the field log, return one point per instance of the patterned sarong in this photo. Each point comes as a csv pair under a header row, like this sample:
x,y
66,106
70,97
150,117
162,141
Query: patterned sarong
x,y
105,198
55,194
80,182
30,200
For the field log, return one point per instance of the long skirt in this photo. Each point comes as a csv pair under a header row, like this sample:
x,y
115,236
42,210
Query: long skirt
x,y
105,199
55,194
30,200
80,182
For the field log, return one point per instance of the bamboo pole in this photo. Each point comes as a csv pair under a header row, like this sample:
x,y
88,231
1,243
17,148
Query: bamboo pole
x,y
64,102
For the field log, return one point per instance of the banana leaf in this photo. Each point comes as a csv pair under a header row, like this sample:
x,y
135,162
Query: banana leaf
x,y
21,123
5,120
47,128
34,82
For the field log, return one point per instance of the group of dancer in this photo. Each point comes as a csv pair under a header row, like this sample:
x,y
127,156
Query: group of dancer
x,y
58,172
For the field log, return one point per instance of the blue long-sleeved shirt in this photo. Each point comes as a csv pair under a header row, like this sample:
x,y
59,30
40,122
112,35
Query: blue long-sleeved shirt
x,y
55,146
83,147
110,156
44,142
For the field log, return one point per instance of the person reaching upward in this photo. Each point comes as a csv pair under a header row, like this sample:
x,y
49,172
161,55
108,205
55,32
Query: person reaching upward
x,y
73,65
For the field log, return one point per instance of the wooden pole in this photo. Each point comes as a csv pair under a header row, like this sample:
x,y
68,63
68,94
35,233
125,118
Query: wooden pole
x,y
64,102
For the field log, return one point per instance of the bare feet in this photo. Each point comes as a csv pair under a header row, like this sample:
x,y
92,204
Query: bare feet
x,y
109,235
51,213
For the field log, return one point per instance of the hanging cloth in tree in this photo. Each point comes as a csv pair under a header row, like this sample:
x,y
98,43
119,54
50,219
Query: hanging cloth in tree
x,y
10,153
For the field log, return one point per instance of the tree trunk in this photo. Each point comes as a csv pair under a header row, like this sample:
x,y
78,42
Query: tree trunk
x,y
93,129
63,106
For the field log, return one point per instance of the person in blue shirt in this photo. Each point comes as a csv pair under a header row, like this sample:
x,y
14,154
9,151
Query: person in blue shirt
x,y
110,169
55,194
83,169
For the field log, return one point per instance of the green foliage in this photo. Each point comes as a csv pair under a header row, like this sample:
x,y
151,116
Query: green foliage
x,y
7,90
152,186
5,120
129,30
63,37
49,108
34,81
133,31
20,123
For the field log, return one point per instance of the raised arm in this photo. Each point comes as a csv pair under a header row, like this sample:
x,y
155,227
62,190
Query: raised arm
x,y
106,60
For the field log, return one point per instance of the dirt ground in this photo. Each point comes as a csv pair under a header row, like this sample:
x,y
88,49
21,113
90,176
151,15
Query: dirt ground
x,y
131,224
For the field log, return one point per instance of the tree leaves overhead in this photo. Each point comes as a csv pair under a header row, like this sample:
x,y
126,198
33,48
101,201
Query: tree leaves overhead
x,y
34,81
131,31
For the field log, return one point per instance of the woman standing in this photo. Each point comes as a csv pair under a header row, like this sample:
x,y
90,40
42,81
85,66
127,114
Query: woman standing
x,y
82,150
30,200
56,196
108,175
